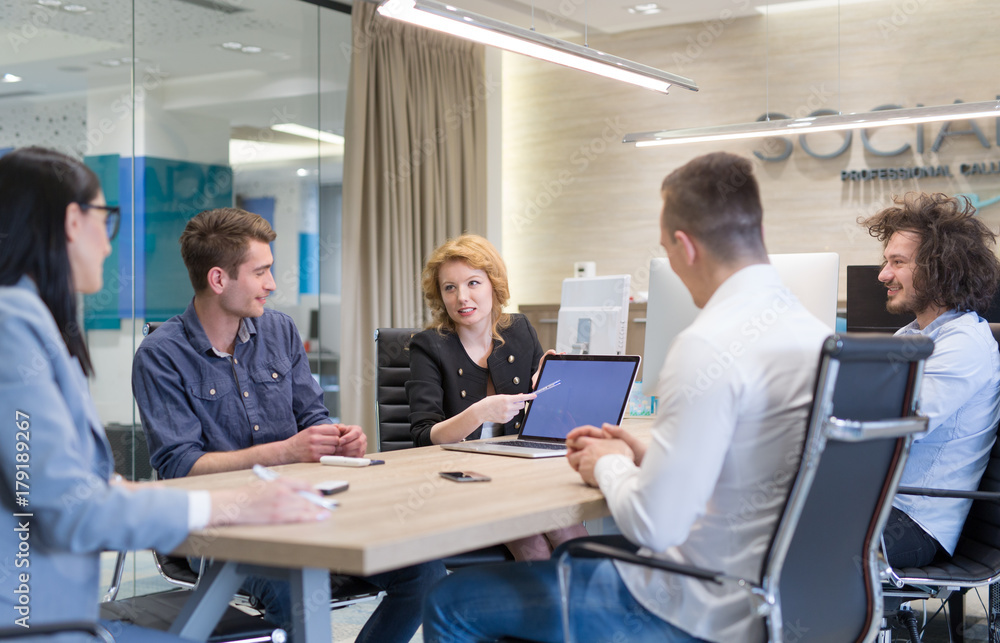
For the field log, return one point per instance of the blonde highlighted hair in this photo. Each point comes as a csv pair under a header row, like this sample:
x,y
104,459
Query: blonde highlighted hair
x,y
480,254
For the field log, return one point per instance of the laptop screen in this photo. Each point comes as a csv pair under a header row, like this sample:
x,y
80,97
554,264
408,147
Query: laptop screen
x,y
592,389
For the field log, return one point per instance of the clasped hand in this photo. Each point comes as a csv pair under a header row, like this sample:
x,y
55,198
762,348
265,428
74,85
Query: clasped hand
x,y
588,444
309,444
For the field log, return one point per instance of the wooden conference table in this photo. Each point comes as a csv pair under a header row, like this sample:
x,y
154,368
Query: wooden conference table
x,y
393,515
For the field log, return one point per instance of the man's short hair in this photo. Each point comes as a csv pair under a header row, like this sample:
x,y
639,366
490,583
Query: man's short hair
x,y
955,267
715,199
220,238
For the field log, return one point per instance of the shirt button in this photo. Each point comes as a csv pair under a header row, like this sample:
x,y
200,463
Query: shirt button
x,y
517,380
212,392
463,394
510,359
517,425
460,372
236,361
274,376
246,394
256,427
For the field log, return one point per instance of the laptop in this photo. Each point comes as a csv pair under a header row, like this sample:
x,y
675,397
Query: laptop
x,y
573,390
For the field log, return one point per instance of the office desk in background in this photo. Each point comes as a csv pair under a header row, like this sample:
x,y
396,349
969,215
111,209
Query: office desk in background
x,y
394,515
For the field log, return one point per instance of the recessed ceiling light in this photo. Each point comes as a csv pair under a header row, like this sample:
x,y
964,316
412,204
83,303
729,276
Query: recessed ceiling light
x,y
236,46
10,78
49,3
74,8
111,62
645,8
251,49
302,171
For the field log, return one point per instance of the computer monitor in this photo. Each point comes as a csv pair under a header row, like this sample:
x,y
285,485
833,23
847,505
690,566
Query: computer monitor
x,y
866,297
593,315
813,277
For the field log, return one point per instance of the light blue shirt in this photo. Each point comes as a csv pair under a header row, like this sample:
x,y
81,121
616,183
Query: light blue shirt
x,y
961,397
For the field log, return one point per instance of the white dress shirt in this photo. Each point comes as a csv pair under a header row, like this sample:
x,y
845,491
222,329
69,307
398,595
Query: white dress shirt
x,y
734,397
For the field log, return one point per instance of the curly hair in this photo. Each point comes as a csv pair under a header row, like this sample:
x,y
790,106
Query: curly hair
x,y
480,254
955,267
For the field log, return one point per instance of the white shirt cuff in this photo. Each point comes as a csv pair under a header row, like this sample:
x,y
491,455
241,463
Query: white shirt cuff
x,y
199,509
610,469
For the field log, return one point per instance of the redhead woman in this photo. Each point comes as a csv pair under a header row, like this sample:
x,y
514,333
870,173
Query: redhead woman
x,y
473,368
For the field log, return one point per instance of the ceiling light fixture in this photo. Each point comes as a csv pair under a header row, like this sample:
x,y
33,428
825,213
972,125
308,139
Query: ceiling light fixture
x,y
812,124
471,26
804,5
235,46
74,8
645,9
10,78
308,132
251,49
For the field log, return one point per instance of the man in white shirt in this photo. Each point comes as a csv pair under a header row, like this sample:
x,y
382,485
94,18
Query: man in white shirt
x,y
709,488
939,266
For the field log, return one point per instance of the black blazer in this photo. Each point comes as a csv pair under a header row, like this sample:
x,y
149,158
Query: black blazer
x,y
444,381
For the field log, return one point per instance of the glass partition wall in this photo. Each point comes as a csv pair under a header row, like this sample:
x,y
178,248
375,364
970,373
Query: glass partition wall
x,y
181,106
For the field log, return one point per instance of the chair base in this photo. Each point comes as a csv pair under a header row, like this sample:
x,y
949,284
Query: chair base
x,y
159,611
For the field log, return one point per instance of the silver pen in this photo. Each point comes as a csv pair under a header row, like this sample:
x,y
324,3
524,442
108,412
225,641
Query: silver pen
x,y
547,387
264,473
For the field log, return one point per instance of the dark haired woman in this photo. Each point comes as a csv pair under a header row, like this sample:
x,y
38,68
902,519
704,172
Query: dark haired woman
x,y
62,503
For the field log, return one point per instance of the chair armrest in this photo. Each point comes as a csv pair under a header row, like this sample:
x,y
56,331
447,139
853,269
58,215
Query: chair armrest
x,y
597,550
89,627
949,493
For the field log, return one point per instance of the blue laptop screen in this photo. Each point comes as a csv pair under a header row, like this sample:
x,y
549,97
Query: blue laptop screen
x,y
589,392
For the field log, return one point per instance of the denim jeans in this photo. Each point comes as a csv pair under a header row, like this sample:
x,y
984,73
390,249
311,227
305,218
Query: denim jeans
x,y
906,543
395,619
522,600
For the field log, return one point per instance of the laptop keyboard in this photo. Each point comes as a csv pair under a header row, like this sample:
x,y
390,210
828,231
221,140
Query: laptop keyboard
x,y
533,445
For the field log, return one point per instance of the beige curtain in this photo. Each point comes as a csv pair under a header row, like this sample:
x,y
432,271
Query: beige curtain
x,y
414,175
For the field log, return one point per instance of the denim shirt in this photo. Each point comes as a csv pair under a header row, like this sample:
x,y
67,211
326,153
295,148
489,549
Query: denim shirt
x,y
960,395
193,400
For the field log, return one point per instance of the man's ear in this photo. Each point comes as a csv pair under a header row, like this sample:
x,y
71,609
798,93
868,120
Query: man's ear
x,y
687,242
74,222
217,280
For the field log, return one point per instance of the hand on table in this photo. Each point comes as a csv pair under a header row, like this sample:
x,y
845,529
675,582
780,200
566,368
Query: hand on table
x,y
261,503
588,444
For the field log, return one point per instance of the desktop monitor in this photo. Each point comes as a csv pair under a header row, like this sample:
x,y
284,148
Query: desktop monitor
x,y
593,315
866,298
813,277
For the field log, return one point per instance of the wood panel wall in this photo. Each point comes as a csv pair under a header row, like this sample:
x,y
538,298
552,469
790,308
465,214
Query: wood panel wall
x,y
573,192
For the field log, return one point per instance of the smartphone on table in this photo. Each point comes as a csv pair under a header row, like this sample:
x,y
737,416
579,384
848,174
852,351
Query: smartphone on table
x,y
464,476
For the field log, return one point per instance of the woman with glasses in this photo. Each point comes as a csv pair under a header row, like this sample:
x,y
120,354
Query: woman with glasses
x,y
62,504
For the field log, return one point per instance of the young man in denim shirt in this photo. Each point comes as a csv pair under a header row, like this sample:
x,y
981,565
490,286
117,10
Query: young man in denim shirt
x,y
226,385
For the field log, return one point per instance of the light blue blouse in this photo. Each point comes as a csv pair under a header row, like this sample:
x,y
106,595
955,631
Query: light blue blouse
x,y
59,512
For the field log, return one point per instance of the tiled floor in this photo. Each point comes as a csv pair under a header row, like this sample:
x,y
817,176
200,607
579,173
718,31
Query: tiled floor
x,y
141,577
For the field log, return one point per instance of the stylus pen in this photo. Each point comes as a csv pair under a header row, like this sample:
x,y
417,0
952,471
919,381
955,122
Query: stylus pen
x,y
547,387
264,473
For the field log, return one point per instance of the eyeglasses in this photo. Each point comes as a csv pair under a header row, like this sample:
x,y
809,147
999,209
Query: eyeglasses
x,y
113,220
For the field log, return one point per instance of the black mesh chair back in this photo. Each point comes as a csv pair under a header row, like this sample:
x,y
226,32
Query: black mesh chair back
x,y
825,570
392,409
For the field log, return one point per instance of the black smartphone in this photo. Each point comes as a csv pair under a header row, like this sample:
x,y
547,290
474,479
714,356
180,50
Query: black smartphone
x,y
464,476
330,487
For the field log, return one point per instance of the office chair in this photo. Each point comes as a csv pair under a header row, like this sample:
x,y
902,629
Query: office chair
x,y
821,572
976,562
392,419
